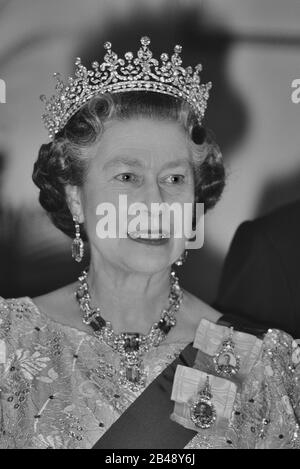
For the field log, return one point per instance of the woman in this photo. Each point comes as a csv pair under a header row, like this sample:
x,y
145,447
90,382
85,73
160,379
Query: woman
x,y
70,376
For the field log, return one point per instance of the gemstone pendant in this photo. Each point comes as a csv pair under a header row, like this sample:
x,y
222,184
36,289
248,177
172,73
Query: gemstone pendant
x,y
227,362
132,372
77,249
202,411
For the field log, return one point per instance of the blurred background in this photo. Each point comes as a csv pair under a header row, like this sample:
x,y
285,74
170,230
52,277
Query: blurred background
x,y
250,50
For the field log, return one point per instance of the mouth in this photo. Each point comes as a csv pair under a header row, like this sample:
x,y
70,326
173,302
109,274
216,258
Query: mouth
x,y
148,237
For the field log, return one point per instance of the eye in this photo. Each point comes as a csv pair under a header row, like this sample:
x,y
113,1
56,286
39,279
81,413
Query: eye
x,y
175,179
126,177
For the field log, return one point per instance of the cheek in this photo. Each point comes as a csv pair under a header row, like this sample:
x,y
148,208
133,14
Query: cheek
x,y
101,207
186,199
95,193
181,195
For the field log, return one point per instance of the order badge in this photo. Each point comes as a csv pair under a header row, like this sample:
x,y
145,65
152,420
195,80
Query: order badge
x,y
226,360
203,412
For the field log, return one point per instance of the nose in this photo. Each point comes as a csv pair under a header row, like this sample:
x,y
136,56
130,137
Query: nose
x,y
151,193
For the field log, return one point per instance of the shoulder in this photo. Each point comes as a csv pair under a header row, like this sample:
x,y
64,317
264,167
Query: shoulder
x,y
197,309
61,307
56,303
192,311
16,310
273,348
26,310
19,318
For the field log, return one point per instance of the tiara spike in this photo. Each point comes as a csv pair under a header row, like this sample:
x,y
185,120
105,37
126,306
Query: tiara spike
x,y
107,45
117,74
145,41
177,49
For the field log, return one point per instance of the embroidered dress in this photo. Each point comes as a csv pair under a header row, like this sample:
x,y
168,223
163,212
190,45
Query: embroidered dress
x,y
59,386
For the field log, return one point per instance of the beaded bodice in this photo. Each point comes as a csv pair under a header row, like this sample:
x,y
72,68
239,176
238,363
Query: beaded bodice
x,y
59,385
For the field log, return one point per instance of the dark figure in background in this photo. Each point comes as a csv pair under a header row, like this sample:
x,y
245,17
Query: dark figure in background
x,y
261,275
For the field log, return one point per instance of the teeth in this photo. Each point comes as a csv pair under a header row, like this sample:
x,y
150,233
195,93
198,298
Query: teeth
x,y
137,235
134,235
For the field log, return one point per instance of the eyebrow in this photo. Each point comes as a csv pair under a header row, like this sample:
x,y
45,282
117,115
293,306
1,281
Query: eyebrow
x,y
123,160
179,162
135,162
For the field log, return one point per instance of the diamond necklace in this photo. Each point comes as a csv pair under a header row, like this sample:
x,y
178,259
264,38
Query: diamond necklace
x,y
131,346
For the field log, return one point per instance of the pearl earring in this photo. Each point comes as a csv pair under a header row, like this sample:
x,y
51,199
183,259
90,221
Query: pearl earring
x,y
182,258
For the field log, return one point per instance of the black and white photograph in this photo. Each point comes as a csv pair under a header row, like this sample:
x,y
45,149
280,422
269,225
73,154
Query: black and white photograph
x,y
149,227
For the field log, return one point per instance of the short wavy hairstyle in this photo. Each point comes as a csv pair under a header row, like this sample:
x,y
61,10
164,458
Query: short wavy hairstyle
x,y
61,161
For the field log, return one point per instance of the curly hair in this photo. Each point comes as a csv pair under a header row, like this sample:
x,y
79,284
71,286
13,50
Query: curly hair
x,y
62,161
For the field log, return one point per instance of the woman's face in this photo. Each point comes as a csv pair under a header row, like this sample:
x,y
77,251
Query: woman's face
x,y
147,161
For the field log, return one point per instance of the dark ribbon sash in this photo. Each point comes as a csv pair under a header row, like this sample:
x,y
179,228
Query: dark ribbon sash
x,y
146,424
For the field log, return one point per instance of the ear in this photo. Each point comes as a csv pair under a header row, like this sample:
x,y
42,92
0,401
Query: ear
x,y
74,201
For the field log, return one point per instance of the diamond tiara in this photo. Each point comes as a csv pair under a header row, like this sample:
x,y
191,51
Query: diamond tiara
x,y
115,75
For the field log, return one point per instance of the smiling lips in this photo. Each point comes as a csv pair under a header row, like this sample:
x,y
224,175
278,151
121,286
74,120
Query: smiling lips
x,y
159,237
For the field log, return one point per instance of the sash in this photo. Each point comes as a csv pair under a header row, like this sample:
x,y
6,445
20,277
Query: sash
x,y
146,424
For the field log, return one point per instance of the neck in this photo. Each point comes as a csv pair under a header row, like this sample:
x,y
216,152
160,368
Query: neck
x,y
131,301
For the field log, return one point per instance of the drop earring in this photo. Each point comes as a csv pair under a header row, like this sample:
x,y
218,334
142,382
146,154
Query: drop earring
x,y
77,247
182,258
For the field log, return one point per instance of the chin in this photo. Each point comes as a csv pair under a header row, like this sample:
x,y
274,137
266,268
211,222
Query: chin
x,y
148,263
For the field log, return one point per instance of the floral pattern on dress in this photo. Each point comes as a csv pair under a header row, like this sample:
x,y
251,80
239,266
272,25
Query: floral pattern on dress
x,y
59,387
30,365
